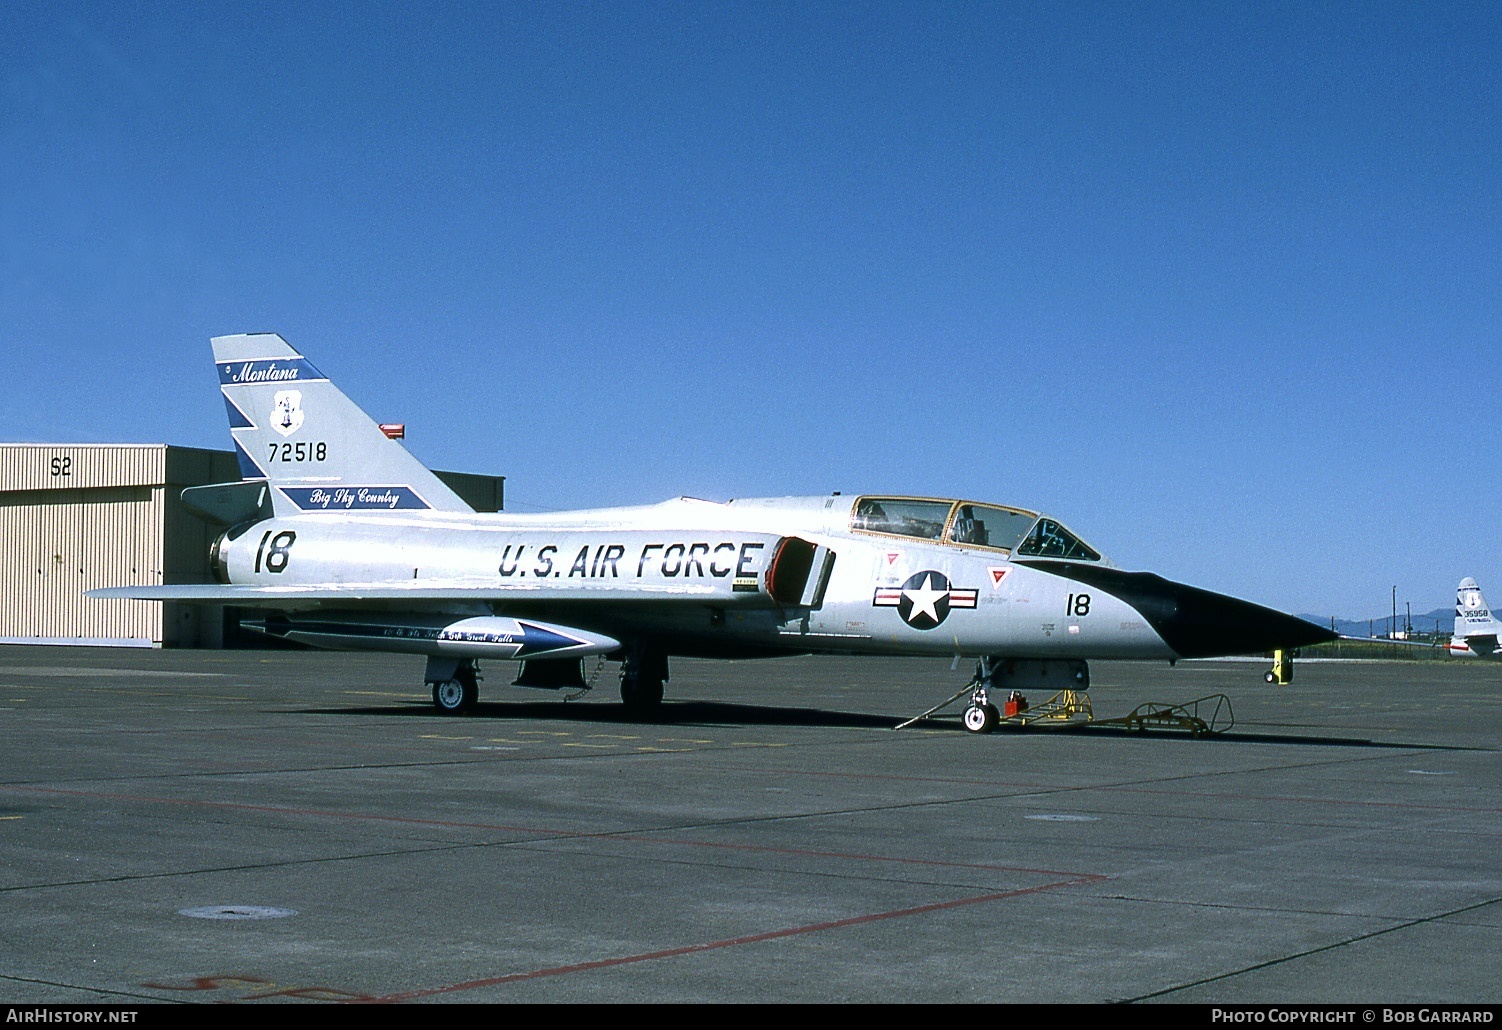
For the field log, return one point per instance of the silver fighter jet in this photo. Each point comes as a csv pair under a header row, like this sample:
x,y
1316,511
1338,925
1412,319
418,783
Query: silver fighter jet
x,y
364,548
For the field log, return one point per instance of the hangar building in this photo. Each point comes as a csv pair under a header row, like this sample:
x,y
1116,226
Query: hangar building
x,y
78,516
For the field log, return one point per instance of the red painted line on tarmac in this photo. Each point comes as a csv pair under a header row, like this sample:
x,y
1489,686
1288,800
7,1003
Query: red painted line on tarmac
x,y
535,831
733,942
1069,880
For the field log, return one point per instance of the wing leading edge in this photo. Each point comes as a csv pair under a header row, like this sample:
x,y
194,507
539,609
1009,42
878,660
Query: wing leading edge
x,y
282,596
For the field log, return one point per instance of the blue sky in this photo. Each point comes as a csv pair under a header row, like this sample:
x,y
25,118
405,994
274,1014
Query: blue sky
x,y
1217,285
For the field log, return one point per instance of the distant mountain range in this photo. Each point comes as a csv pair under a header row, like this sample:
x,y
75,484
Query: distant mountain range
x,y
1443,618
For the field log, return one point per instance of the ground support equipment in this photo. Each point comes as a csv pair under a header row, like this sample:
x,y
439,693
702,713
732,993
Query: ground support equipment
x,y
1201,717
993,675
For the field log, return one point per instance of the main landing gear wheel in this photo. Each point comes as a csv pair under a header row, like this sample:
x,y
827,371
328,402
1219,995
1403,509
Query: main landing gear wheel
x,y
454,697
455,682
981,718
641,693
642,677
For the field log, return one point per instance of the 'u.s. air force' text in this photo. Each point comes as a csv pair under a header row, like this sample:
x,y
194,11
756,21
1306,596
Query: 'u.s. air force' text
x,y
609,561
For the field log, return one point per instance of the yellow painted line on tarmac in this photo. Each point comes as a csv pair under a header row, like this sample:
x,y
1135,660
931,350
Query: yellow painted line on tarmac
x,y
508,740
439,736
682,740
544,733
665,750
614,736
8,818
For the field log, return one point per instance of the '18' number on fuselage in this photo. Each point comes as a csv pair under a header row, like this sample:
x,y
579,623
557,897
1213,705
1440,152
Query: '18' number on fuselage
x,y
276,555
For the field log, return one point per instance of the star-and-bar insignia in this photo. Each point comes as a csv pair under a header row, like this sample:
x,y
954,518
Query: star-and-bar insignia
x,y
924,600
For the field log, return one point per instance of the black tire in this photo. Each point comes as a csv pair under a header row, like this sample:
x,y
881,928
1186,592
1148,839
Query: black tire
x,y
454,697
641,694
980,719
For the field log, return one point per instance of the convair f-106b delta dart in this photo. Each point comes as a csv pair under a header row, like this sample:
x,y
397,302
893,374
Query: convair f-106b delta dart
x,y
365,548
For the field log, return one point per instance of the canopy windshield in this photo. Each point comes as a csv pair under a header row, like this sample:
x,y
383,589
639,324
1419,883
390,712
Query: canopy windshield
x,y
1048,539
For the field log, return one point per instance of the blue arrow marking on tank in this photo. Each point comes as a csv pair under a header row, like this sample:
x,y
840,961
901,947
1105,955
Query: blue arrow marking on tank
x,y
536,640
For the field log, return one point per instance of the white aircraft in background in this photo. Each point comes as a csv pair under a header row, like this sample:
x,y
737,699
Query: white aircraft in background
x,y
1476,629
362,547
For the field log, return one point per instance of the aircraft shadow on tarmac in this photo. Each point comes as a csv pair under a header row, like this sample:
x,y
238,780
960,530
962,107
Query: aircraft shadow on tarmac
x,y
727,714
670,713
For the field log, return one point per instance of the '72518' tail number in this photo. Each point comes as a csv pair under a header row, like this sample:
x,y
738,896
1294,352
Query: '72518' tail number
x,y
299,451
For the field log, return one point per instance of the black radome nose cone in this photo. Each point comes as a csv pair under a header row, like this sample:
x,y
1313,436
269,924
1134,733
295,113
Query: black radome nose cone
x,y
1197,623
1204,624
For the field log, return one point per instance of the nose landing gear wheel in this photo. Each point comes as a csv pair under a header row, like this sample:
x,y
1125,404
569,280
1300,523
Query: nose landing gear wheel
x,y
981,718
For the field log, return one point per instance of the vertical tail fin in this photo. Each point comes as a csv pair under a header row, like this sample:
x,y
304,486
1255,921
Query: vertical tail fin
x,y
312,445
1472,615
1476,630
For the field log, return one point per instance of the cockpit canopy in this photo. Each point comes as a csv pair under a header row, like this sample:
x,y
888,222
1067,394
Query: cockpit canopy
x,y
967,524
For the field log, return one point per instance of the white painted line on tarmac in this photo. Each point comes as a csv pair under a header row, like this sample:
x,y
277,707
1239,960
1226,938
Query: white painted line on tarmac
x,y
1064,818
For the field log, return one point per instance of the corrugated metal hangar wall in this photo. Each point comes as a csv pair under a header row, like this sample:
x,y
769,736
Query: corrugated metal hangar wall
x,y
78,516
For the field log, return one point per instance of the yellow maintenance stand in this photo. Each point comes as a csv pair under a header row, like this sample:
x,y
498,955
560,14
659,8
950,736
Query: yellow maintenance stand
x,y
1282,671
